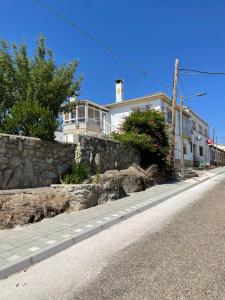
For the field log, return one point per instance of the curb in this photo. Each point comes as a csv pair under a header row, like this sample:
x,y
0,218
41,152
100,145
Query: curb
x,y
24,263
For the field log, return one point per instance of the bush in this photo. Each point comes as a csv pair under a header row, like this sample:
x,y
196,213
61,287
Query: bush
x,y
77,174
148,133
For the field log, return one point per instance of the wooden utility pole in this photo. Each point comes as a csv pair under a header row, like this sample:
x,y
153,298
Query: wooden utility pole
x,y
217,153
174,103
214,150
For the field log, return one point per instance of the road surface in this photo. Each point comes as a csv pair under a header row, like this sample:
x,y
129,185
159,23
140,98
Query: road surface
x,y
175,250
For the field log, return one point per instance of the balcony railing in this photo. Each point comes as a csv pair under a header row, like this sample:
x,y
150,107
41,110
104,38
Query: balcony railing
x,y
103,128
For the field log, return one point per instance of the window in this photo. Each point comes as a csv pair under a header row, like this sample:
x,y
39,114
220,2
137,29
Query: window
x,y
185,149
142,108
186,126
90,113
199,128
73,114
66,117
201,151
81,113
97,115
191,146
193,125
135,108
169,116
205,132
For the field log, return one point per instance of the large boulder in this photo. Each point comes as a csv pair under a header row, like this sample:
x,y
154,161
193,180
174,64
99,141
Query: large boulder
x,y
112,188
134,179
145,176
80,196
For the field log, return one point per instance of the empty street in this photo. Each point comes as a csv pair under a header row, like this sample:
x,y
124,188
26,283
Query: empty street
x,y
174,250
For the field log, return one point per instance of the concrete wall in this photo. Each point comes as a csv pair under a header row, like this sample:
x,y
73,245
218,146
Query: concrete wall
x,y
30,162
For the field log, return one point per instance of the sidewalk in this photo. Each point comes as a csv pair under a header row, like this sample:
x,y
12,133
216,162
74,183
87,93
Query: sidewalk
x,y
24,246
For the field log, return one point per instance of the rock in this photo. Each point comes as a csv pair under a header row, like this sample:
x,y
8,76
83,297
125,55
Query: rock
x,y
133,183
112,188
7,175
80,196
134,179
49,160
20,207
15,178
15,161
147,175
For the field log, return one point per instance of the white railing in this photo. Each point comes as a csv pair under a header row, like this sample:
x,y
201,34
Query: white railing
x,y
103,128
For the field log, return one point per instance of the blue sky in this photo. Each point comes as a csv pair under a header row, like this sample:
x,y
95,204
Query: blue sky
x,y
149,33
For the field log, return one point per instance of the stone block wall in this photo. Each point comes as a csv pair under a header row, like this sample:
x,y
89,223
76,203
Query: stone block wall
x,y
30,162
104,154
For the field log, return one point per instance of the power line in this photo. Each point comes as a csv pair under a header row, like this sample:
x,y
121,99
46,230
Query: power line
x,y
182,86
184,90
202,72
99,43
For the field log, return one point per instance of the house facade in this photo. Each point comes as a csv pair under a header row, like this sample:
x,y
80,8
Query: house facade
x,y
217,154
89,118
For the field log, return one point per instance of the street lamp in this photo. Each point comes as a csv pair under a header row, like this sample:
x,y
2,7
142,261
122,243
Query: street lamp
x,y
181,128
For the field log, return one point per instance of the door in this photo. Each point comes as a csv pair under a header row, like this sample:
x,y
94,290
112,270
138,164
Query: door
x,y
194,153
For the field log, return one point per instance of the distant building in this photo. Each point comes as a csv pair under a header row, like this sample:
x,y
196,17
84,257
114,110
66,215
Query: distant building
x,y
93,119
217,154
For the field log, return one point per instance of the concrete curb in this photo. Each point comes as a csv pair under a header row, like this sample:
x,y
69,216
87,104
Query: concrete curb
x,y
62,245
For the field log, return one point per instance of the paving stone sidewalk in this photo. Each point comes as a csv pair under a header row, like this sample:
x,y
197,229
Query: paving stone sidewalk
x,y
24,246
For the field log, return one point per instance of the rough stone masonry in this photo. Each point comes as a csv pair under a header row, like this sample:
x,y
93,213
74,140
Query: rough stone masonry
x,y
30,162
27,162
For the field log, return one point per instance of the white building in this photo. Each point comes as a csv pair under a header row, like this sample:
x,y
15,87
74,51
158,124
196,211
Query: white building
x,y
90,118
217,154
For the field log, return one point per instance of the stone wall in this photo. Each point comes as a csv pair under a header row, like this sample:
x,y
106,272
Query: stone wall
x,y
30,162
103,154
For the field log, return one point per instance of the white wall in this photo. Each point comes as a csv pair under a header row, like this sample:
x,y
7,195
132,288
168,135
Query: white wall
x,y
118,114
203,139
177,153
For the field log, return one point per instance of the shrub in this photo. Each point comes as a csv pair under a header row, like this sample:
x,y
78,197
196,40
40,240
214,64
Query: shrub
x,y
76,175
148,133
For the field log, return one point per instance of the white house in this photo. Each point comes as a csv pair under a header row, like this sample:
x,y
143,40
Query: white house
x,y
90,118
217,154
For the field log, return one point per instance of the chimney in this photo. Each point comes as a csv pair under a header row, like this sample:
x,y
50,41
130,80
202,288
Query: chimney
x,y
119,90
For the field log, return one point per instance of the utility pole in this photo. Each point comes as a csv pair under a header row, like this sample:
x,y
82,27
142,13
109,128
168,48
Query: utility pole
x,y
217,154
181,138
214,151
174,103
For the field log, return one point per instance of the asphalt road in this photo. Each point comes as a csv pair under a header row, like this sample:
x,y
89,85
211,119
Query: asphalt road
x,y
183,260
174,250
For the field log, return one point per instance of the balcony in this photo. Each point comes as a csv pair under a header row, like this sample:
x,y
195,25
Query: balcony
x,y
88,126
88,118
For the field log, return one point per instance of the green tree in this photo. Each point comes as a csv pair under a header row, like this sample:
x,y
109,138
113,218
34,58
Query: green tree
x,y
147,131
32,90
